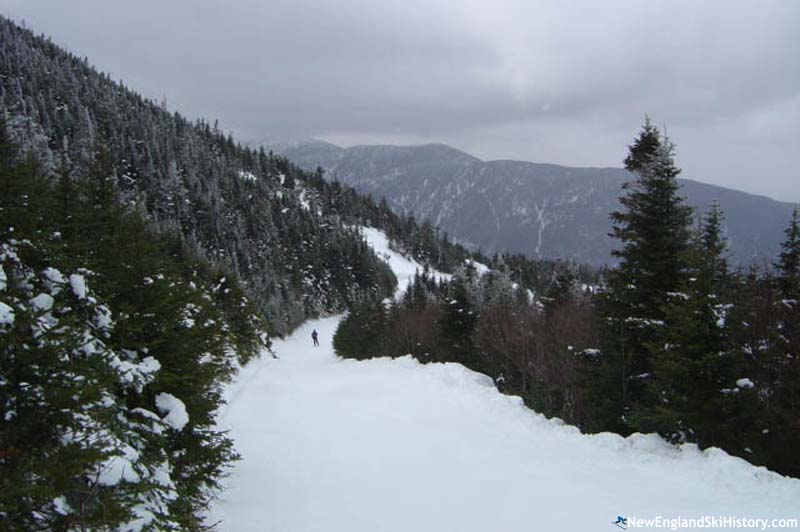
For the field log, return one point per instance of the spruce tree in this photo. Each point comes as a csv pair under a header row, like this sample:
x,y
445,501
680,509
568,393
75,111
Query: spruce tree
x,y
783,406
460,314
692,361
713,243
653,230
561,290
789,261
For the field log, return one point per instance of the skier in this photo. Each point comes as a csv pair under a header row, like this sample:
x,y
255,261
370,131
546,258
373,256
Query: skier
x,y
315,337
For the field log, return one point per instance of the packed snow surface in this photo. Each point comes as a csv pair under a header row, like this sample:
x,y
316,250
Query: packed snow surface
x,y
332,445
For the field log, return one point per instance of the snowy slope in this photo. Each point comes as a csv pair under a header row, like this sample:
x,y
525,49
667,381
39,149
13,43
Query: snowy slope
x,y
403,268
392,445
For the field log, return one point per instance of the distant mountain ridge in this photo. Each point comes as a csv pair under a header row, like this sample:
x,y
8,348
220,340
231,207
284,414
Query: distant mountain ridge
x,y
543,210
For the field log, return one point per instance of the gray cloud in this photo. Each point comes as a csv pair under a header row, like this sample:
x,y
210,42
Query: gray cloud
x,y
549,81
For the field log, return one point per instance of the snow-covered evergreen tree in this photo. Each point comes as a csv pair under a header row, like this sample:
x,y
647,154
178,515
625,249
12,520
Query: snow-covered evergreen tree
x,y
115,342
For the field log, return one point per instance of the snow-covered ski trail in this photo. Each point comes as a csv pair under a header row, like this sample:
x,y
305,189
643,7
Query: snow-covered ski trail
x,y
332,445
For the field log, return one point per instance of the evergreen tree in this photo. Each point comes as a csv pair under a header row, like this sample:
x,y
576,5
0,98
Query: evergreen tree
x,y
460,314
783,405
416,295
692,360
713,244
361,335
561,290
653,230
788,279
92,359
497,288
789,261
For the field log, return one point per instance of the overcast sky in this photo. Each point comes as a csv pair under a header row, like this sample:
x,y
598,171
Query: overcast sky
x,y
563,82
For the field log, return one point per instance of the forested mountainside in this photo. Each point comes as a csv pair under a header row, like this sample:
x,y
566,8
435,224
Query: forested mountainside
x,y
285,237
288,235
541,210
